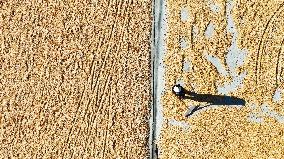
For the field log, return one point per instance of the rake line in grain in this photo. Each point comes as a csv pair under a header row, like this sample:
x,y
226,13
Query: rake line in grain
x,y
99,101
104,61
277,64
98,47
107,47
261,41
75,116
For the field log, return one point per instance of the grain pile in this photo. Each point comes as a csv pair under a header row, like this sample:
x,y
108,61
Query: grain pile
x,y
247,43
74,78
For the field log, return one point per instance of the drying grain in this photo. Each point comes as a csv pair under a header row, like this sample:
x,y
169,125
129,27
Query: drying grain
x,y
74,78
246,45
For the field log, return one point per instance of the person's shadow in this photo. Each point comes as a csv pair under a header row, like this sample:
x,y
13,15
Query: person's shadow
x,y
211,100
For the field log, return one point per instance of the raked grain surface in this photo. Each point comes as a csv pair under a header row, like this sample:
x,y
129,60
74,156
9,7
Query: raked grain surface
x,y
74,78
230,47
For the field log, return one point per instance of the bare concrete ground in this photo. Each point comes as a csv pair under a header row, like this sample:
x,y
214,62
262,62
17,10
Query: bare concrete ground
x,y
75,79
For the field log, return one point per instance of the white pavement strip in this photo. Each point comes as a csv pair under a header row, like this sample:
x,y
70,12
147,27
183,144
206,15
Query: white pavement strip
x,y
160,27
179,124
258,117
277,95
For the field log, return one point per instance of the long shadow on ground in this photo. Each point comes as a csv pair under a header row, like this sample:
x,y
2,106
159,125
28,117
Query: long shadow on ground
x,y
211,100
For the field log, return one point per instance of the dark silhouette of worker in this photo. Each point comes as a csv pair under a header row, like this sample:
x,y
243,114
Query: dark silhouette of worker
x,y
179,91
210,99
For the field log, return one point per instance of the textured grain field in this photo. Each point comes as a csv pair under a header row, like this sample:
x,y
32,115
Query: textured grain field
x,y
229,47
74,78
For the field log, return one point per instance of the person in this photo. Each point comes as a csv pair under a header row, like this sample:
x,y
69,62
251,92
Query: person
x,y
178,90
